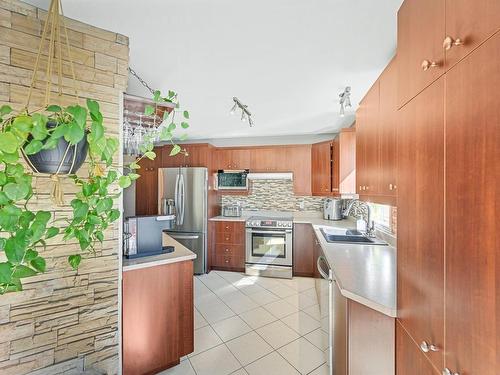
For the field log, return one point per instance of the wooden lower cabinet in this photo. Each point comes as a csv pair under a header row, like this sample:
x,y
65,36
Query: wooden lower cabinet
x,y
304,262
228,245
472,310
409,358
420,239
158,317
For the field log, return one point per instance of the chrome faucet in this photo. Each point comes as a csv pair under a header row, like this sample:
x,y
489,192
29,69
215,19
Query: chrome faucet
x,y
370,225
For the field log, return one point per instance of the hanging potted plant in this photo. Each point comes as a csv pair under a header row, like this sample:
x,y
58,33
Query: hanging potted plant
x,y
78,134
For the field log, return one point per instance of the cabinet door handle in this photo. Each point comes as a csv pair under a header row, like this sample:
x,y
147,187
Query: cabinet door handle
x,y
447,371
390,186
426,65
426,347
449,42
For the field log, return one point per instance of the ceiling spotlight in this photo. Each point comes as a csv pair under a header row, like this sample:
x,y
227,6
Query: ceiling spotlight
x,y
233,110
345,100
245,113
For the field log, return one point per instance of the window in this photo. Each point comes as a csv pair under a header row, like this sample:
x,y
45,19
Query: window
x,y
381,215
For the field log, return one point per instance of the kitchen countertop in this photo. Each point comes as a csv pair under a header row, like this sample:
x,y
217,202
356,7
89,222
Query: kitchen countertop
x,y
364,273
181,253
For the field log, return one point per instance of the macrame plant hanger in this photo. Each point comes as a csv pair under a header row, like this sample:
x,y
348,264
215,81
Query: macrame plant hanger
x,y
54,24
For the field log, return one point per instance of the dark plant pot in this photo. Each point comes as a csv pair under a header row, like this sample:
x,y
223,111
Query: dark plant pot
x,y
47,161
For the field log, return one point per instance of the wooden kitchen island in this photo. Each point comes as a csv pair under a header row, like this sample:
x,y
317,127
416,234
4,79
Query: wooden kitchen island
x,y
158,311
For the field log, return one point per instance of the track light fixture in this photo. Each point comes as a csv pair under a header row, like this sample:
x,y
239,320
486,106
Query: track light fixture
x,y
345,100
245,113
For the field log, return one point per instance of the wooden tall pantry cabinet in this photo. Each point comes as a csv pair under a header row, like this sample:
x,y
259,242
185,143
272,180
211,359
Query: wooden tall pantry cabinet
x,y
448,142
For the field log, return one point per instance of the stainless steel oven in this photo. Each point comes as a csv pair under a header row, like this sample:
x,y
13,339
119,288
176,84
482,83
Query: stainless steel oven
x,y
269,246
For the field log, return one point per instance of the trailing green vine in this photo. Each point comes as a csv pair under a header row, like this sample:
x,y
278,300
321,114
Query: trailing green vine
x,y
24,233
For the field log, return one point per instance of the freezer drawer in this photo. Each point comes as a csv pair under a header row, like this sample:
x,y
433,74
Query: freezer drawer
x,y
196,242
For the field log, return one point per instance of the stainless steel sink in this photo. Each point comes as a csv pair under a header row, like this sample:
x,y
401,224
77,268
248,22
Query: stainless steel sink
x,y
348,236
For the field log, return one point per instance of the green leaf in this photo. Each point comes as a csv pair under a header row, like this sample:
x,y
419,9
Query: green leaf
x,y
26,219
133,176
39,130
104,205
8,143
124,182
16,246
74,261
5,110
53,108
97,130
15,170
184,125
171,94
100,236
23,271
149,110
9,216
151,155
94,220
175,150
30,255
52,232
134,165
5,273
75,133
113,215
23,125
112,175
80,209
2,243
171,127
89,188
42,216
51,143
93,107
16,191
60,130
3,178
33,147
156,95
79,114
39,264
10,158
186,114
183,137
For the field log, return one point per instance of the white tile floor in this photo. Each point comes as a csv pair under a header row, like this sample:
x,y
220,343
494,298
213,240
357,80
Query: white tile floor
x,y
254,325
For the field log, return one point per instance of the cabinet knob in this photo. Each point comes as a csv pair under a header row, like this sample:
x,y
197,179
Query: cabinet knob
x,y
227,238
226,260
449,42
447,371
426,347
426,65
390,187
367,188
226,250
227,227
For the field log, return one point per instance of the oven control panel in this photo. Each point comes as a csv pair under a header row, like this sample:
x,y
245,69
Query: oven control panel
x,y
257,223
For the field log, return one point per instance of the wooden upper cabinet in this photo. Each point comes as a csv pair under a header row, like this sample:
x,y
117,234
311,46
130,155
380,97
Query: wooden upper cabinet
x,y
335,166
232,158
472,22
321,168
298,161
421,31
372,139
347,161
388,121
146,187
361,181
198,155
420,239
472,200
409,359
268,159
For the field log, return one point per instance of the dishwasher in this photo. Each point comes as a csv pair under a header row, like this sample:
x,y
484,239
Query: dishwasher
x,y
334,318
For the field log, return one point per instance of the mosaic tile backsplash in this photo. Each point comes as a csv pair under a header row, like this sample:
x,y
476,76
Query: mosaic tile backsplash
x,y
274,195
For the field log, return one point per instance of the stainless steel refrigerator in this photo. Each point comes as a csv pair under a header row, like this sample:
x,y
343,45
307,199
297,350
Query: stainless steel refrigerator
x,y
188,188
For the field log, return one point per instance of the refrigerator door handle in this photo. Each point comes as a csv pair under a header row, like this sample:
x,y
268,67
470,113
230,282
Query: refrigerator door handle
x,y
182,198
183,237
176,199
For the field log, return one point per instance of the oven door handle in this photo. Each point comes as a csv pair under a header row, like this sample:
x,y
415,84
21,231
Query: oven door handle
x,y
321,271
270,231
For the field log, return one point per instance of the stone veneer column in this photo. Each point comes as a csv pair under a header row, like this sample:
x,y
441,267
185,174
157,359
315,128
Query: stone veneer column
x,y
64,321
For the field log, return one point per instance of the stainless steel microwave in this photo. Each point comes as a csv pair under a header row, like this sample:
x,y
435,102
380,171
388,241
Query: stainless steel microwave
x,y
232,179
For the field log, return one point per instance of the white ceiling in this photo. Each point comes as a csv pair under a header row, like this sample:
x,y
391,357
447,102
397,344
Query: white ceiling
x,y
286,59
